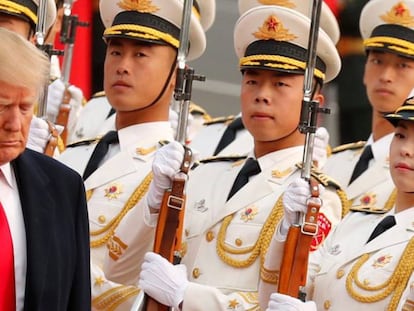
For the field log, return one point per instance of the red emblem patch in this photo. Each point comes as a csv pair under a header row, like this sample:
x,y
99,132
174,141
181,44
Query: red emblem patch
x,y
324,227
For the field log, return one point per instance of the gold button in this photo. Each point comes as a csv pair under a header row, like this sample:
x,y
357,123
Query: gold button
x,y
102,219
196,273
209,236
239,242
340,273
327,305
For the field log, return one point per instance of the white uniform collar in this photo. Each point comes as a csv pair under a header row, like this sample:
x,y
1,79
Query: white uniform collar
x,y
144,134
269,160
380,148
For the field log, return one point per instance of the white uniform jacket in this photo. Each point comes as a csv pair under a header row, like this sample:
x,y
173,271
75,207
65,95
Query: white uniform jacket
x,y
219,279
93,120
207,138
344,267
115,189
373,188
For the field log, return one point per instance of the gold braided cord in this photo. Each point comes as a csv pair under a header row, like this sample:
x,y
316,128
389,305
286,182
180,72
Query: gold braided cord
x,y
112,298
259,248
379,41
396,283
391,200
113,224
281,59
344,201
251,298
156,34
14,7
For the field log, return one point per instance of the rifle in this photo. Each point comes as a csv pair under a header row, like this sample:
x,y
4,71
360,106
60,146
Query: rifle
x,y
40,37
170,219
70,23
294,265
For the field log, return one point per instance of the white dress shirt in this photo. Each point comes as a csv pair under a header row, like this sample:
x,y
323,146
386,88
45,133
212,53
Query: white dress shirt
x,y
12,208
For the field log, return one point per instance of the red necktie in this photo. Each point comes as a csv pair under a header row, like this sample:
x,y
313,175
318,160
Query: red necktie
x,y
7,285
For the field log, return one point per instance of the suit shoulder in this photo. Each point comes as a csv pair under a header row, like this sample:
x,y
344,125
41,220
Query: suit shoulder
x,y
49,164
350,146
218,120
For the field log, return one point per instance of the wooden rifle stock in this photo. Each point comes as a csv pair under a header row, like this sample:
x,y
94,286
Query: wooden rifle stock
x,y
294,267
170,223
63,115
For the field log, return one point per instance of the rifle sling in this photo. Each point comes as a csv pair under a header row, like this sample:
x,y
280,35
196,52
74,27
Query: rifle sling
x,y
308,230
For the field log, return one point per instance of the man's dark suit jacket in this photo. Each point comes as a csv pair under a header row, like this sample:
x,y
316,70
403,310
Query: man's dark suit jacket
x,y
57,233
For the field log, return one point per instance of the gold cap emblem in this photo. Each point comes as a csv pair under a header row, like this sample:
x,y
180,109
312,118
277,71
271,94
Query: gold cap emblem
x,y
284,3
143,6
273,29
400,15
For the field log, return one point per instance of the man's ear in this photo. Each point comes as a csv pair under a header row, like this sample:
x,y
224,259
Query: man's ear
x,y
320,98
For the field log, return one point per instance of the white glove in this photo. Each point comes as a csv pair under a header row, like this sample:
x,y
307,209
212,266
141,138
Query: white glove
x,y
294,201
39,134
280,302
55,96
166,164
162,280
173,118
320,153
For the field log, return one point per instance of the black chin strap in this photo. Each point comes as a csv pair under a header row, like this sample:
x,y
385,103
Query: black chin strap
x,y
172,69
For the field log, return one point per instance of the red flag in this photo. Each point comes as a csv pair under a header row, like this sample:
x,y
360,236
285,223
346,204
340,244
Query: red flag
x,y
81,74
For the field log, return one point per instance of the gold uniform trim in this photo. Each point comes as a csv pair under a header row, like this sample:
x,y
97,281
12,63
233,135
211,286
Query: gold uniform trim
x,y
287,63
261,246
387,206
109,229
398,45
112,298
14,7
350,146
142,32
269,276
395,285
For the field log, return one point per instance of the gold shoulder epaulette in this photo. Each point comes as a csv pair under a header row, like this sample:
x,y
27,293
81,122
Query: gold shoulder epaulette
x,y
84,142
98,94
368,209
195,109
324,179
350,146
230,158
220,120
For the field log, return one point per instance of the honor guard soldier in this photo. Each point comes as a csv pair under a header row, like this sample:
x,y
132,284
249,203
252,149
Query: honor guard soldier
x,y
366,262
98,116
362,168
233,203
227,135
142,38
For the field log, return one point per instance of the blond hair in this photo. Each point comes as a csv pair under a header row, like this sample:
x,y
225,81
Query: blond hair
x,y
22,64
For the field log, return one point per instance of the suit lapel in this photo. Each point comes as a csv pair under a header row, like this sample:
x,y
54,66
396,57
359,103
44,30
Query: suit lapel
x,y
37,206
